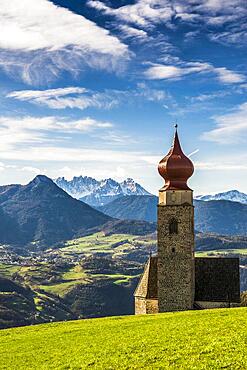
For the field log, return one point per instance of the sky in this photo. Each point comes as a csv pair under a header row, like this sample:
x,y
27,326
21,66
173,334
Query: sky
x,y
94,88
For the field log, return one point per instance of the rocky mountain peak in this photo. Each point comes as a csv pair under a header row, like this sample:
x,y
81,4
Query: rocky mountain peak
x,y
99,192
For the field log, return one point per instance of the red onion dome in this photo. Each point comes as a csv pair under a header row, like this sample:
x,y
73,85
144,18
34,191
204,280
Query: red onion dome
x,y
175,167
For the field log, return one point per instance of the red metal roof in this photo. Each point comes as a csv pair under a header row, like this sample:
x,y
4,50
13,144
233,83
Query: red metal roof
x,y
175,167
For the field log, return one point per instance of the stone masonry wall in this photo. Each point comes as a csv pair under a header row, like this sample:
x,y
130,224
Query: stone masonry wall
x,y
152,306
140,306
176,266
145,306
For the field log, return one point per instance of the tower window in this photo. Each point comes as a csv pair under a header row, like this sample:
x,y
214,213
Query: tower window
x,y
173,226
173,250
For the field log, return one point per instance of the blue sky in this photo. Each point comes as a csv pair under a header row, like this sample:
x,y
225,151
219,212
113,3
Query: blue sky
x,y
94,88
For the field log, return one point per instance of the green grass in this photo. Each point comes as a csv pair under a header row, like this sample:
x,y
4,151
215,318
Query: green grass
x,y
98,242
209,339
222,252
70,278
60,289
8,270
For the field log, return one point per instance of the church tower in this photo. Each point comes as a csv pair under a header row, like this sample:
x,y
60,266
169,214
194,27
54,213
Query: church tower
x,y
174,280
176,262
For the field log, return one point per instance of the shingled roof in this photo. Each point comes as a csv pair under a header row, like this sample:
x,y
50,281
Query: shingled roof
x,y
147,287
216,280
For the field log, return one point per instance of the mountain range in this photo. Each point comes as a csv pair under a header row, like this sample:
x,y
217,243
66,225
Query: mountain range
x,y
41,214
221,217
232,195
99,192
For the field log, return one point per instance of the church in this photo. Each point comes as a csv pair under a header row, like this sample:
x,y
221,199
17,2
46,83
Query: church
x,y
176,280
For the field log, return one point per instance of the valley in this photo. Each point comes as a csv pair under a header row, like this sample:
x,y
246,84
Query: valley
x,y
90,276
61,259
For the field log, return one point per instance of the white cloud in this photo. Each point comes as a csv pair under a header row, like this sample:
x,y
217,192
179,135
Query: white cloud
x,y
144,91
220,166
226,76
16,132
34,170
230,128
211,96
132,32
160,72
81,98
165,72
68,97
142,13
214,13
64,154
28,25
148,12
46,94
38,37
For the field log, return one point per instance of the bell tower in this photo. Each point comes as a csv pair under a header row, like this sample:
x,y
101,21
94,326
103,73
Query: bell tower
x,y
176,263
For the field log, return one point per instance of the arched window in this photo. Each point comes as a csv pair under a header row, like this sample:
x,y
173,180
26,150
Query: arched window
x,y
173,226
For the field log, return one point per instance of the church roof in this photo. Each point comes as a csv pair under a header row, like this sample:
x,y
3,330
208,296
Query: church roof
x,y
216,280
147,287
175,167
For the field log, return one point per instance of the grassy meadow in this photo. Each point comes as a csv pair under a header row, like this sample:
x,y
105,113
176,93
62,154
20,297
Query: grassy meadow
x,y
209,339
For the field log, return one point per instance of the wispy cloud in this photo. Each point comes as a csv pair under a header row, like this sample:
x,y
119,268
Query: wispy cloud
x,y
220,166
142,13
166,72
229,77
133,33
25,131
32,32
82,98
212,96
226,19
68,97
230,128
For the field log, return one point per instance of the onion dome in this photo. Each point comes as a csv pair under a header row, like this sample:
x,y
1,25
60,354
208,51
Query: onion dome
x,y
175,167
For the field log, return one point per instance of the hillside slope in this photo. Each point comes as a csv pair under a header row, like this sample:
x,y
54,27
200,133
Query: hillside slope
x,y
20,305
133,207
209,339
221,217
41,212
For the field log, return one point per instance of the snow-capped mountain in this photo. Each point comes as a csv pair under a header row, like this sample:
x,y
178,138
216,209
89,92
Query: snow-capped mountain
x,y
232,195
98,193
130,187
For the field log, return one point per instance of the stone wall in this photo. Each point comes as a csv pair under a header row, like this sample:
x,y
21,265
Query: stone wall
x,y
145,306
140,306
152,306
176,266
